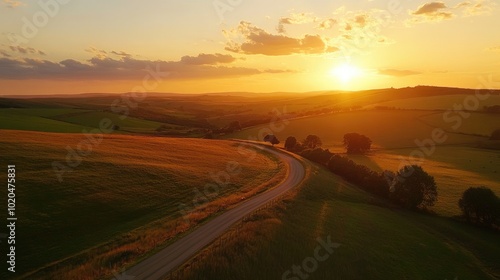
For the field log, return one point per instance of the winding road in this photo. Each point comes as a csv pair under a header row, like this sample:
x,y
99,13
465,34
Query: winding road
x,y
159,265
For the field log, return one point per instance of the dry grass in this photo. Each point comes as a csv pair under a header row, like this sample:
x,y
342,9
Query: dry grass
x,y
120,203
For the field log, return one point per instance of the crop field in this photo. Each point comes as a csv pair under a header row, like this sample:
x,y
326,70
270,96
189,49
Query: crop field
x,y
111,195
372,242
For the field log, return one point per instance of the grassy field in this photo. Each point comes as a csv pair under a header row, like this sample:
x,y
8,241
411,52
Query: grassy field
x,y
375,242
122,200
387,129
190,115
444,102
475,123
455,164
69,120
38,120
128,124
455,168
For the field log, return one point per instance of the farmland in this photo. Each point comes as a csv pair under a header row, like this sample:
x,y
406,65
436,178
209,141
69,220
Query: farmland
x,y
436,102
456,163
118,200
455,169
125,194
373,242
250,140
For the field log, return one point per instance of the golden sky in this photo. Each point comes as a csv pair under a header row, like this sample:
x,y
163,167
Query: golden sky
x,y
76,46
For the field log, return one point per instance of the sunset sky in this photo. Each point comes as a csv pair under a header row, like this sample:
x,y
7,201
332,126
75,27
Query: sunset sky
x,y
76,46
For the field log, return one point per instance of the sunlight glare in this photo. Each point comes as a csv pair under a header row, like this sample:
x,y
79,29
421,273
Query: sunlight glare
x,y
346,72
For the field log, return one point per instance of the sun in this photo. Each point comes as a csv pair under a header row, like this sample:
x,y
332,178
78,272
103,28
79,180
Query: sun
x,y
346,72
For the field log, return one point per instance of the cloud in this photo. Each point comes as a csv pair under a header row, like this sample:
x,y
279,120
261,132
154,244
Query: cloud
x,y
397,72
258,41
362,21
102,54
463,5
327,24
360,30
207,59
121,53
430,8
26,50
432,11
475,8
13,3
438,11
5,54
494,49
354,31
123,68
294,18
96,52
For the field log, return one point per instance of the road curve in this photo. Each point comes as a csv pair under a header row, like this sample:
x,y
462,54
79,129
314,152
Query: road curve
x,y
159,265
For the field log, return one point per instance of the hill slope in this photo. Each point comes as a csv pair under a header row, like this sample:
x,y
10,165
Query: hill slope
x,y
371,242
123,183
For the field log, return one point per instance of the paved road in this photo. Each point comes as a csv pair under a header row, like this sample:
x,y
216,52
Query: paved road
x,y
160,264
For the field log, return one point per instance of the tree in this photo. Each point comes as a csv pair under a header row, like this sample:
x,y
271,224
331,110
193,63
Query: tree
x,y
290,143
360,175
317,155
271,139
312,142
415,188
298,148
481,205
495,135
357,143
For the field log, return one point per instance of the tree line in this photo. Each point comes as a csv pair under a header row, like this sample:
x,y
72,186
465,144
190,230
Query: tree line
x,y
411,187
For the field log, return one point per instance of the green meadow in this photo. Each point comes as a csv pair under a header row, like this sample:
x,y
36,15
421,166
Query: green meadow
x,y
375,242
69,120
456,164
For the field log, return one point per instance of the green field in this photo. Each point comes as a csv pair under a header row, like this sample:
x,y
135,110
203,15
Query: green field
x,y
456,164
69,120
387,129
445,102
375,242
455,168
190,115
127,124
125,184
475,123
38,120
